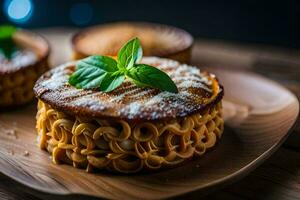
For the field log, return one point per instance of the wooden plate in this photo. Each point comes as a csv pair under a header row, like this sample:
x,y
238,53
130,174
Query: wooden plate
x,y
259,114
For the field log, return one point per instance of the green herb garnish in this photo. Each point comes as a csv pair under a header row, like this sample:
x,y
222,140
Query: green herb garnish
x,y
106,74
7,45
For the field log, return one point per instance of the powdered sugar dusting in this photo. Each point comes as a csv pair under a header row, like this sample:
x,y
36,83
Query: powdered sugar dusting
x,y
193,84
21,58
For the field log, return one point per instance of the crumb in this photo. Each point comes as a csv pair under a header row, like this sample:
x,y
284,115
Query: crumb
x,y
12,132
197,165
26,153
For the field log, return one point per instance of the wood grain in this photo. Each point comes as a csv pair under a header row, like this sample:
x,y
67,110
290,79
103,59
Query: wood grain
x,y
258,110
277,179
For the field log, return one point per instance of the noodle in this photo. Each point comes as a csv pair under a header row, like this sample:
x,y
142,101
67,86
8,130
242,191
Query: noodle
x,y
122,146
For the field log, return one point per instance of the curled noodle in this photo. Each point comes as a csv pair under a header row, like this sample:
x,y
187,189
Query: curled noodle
x,y
117,145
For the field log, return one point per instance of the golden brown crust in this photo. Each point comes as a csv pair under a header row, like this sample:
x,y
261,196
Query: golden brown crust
x,y
197,91
157,40
17,81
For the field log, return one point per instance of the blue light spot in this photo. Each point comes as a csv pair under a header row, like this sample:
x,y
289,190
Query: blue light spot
x,y
81,13
18,11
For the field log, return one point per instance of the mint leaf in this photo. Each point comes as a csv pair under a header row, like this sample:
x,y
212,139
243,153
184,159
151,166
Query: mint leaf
x,y
102,62
91,71
130,53
78,79
147,76
7,31
7,45
112,81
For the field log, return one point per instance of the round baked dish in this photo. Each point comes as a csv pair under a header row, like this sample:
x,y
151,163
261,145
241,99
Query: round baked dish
x,y
18,74
157,40
129,129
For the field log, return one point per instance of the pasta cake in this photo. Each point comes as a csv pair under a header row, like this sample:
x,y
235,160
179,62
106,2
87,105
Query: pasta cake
x,y
129,129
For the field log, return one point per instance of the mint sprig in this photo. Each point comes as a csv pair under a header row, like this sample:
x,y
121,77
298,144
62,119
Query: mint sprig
x,y
106,74
7,45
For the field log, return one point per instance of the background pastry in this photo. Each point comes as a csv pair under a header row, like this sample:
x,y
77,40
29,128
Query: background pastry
x,y
23,58
157,40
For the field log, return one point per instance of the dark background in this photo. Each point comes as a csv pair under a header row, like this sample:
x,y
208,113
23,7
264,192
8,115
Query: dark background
x,y
268,22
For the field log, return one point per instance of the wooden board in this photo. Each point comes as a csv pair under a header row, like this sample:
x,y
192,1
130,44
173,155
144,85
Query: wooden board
x,y
259,113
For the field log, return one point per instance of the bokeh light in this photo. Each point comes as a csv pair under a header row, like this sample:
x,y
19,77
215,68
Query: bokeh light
x,y
18,11
81,13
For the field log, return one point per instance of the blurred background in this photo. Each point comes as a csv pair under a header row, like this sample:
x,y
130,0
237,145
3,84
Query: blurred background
x,y
263,22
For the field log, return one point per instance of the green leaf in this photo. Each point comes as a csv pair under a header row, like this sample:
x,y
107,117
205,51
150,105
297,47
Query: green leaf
x,y
111,82
91,71
7,31
147,76
7,45
130,53
102,62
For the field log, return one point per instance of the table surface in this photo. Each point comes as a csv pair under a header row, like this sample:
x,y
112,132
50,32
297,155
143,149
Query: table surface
x,y
277,178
